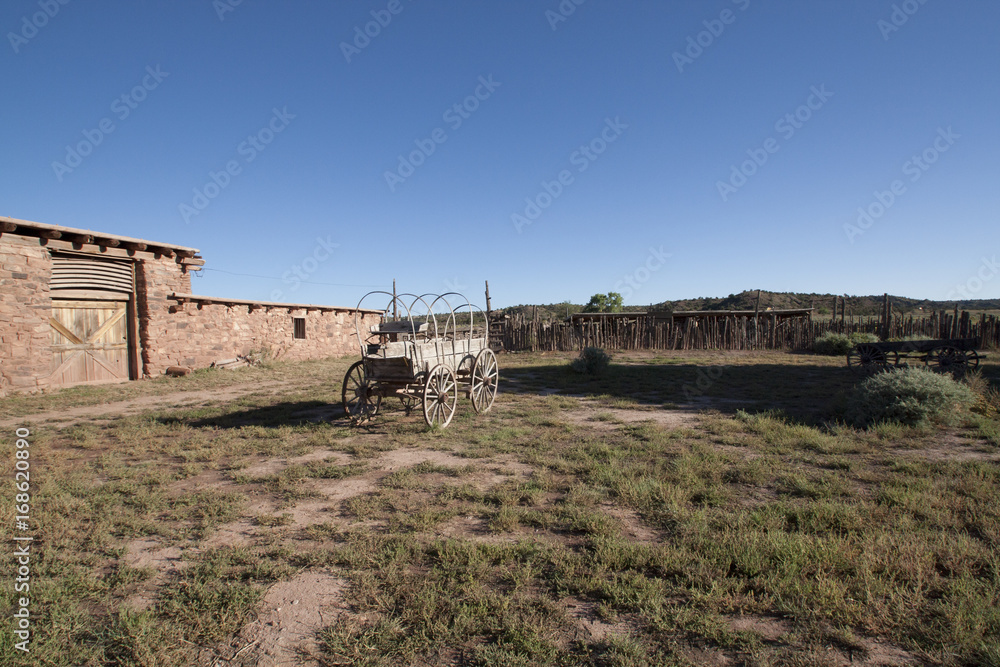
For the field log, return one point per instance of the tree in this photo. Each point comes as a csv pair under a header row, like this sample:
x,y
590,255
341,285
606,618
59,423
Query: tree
x,y
604,303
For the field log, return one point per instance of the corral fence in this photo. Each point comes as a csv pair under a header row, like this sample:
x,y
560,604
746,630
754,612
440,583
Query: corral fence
x,y
765,331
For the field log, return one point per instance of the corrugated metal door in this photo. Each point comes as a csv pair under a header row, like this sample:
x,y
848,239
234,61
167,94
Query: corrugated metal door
x,y
79,272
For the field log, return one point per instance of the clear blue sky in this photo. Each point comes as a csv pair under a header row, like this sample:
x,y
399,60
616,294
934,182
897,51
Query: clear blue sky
x,y
654,197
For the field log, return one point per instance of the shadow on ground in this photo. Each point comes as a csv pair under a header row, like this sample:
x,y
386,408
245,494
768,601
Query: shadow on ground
x,y
279,414
803,391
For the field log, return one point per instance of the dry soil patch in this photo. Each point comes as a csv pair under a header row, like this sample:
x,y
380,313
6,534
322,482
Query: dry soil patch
x,y
291,614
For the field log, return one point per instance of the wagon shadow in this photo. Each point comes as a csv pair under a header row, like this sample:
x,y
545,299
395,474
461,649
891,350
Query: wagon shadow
x,y
804,392
271,416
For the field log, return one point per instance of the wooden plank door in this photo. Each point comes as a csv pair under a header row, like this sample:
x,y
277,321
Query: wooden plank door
x,y
89,342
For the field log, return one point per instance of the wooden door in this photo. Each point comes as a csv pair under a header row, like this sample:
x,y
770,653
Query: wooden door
x,y
89,342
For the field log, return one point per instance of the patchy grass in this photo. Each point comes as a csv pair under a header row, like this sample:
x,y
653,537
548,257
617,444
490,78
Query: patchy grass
x,y
759,530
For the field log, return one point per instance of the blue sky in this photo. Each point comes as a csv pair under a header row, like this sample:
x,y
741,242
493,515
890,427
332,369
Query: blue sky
x,y
660,149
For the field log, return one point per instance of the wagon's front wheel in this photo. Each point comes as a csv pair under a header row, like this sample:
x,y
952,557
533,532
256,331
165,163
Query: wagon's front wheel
x,y
485,376
440,396
361,402
869,359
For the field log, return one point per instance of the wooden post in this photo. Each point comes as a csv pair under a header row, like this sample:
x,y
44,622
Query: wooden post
x,y
395,309
756,322
489,308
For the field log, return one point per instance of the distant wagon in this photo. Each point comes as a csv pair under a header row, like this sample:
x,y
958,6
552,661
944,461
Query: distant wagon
x,y
422,352
946,354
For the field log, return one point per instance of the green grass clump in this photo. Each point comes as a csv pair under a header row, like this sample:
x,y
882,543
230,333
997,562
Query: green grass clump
x,y
909,396
592,361
832,344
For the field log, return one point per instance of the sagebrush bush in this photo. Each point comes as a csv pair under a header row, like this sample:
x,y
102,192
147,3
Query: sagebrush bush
x,y
832,344
859,337
909,396
592,360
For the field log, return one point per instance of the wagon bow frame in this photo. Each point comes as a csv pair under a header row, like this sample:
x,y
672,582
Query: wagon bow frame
x,y
417,360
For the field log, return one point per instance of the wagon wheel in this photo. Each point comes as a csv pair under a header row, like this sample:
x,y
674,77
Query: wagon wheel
x,y
972,359
361,401
948,359
867,358
409,401
440,396
485,376
465,366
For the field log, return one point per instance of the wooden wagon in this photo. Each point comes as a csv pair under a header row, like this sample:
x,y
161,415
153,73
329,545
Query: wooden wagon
x,y
421,353
946,355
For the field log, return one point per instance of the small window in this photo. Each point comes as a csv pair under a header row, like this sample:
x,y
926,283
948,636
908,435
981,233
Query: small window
x,y
299,327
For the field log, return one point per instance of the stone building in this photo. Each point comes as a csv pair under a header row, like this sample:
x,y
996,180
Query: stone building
x,y
81,307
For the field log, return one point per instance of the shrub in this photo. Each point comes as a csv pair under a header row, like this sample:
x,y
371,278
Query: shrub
x,y
859,337
832,344
909,396
987,396
592,360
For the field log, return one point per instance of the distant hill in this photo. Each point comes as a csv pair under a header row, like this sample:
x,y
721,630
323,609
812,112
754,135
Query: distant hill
x,y
823,303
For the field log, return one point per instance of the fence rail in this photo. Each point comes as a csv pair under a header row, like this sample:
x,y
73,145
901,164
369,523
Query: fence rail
x,y
766,332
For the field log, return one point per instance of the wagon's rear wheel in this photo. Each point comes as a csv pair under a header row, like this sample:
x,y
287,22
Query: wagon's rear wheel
x,y
361,402
870,359
971,359
440,396
485,376
948,359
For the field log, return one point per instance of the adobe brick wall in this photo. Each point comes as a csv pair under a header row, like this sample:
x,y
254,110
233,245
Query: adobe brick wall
x,y
196,336
25,309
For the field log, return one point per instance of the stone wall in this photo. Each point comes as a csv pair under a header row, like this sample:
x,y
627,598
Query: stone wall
x,y
160,339
195,335
170,333
25,309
